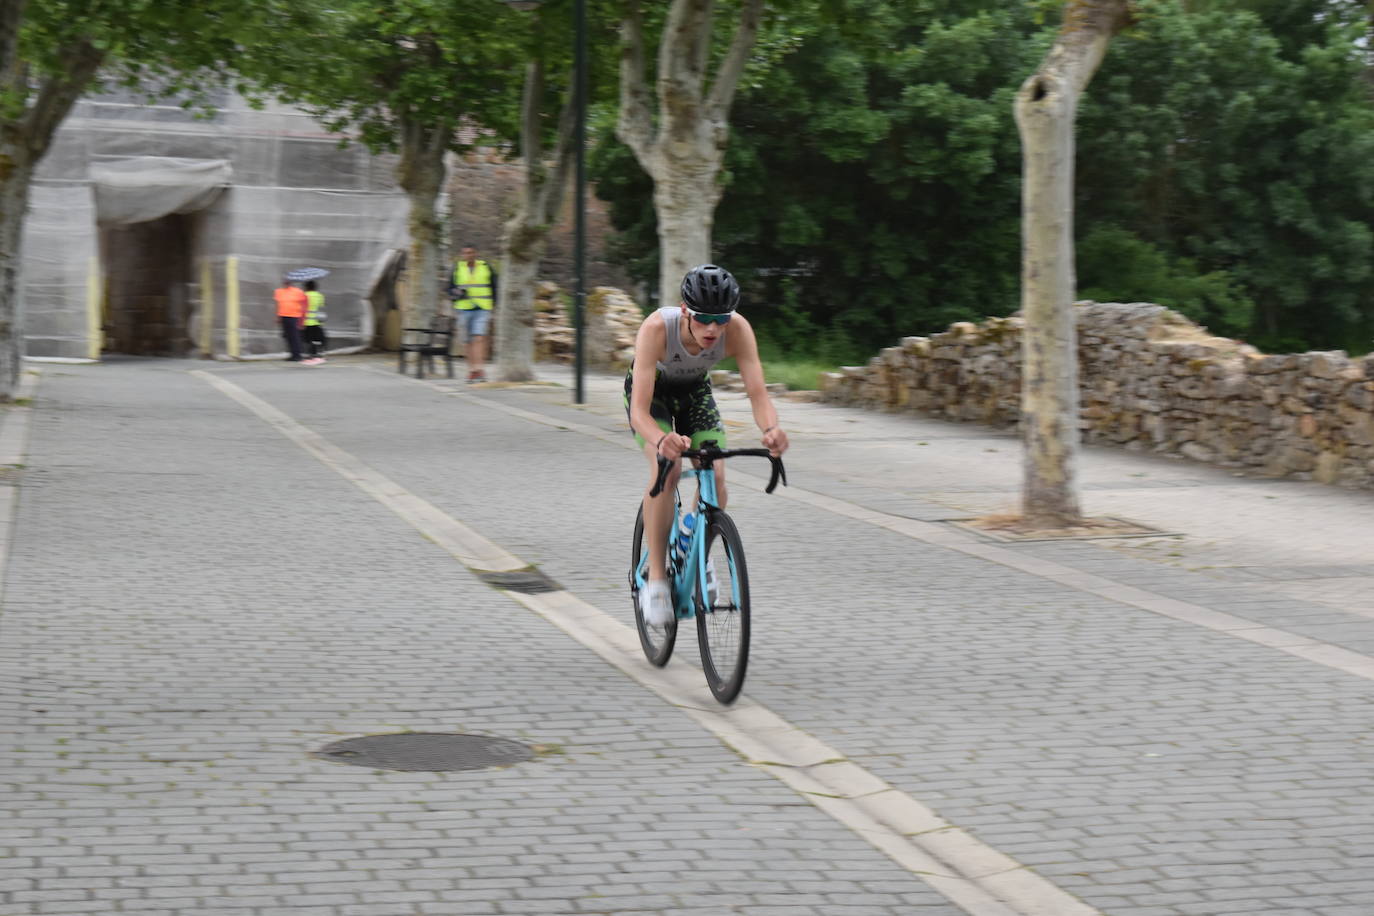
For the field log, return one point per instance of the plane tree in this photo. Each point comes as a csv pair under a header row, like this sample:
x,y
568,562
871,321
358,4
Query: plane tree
x,y
418,78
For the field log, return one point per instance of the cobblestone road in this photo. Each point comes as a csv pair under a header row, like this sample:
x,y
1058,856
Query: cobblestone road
x,y
193,605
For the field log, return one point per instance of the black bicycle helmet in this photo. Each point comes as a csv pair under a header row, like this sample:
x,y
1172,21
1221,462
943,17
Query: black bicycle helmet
x,y
710,289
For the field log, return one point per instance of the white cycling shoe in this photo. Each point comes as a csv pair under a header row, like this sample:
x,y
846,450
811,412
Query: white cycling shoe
x,y
656,602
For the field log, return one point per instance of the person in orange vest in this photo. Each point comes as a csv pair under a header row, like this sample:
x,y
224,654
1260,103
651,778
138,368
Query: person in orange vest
x,y
291,309
473,291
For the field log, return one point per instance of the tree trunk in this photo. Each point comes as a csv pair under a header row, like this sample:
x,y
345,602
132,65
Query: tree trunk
x,y
526,233
14,201
685,198
515,313
420,174
682,148
25,135
1045,109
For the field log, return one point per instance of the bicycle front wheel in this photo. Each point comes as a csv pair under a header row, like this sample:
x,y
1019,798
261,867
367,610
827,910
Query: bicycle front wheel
x,y
723,609
657,644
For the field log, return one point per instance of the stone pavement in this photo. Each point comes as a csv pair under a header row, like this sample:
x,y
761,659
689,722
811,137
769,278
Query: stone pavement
x,y
193,604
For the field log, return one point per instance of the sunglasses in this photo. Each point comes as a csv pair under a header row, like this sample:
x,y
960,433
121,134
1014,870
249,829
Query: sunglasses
x,y
708,318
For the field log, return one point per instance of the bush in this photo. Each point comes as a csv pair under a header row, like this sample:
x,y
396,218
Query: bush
x,y
1115,266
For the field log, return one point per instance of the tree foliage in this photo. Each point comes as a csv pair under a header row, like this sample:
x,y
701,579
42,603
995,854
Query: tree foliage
x,y
371,69
1245,160
873,180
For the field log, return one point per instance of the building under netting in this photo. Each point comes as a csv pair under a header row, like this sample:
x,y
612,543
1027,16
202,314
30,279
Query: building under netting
x,y
152,231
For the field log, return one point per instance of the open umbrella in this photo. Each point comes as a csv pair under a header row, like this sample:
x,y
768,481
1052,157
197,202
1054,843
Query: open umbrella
x,y
307,273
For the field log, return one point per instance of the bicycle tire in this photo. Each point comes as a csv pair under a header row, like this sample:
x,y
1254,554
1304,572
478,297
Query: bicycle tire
x,y
657,644
723,621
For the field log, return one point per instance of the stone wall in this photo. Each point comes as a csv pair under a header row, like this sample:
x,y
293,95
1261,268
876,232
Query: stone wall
x,y
482,190
608,339
1149,379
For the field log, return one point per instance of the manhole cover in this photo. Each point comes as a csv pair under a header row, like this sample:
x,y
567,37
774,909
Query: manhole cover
x,y
529,581
426,752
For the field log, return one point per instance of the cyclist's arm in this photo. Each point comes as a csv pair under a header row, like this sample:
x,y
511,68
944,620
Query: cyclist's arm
x,y
744,347
651,344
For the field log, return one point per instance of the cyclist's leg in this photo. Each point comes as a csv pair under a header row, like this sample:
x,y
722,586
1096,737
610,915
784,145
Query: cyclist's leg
x,y
658,510
658,513
703,424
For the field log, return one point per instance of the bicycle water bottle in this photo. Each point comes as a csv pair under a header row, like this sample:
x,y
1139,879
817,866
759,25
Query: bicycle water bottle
x,y
684,533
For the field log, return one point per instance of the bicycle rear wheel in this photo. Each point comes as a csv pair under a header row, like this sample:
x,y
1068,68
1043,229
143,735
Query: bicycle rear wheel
x,y
723,610
656,643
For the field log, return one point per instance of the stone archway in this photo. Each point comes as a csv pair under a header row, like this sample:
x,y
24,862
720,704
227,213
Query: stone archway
x,y
148,210
148,275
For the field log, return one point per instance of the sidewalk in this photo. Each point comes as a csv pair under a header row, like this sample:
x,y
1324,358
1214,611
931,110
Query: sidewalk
x,y
215,571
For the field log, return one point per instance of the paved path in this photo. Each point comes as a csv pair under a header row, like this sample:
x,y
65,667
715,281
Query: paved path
x,y
194,602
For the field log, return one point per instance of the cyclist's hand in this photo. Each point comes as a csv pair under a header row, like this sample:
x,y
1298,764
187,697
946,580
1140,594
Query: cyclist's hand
x,y
775,440
672,445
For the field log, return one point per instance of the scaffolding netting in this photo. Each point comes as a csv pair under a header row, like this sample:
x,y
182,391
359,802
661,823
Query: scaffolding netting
x,y
148,224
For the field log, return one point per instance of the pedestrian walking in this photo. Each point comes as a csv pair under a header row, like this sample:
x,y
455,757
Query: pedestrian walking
x,y
315,338
473,291
291,308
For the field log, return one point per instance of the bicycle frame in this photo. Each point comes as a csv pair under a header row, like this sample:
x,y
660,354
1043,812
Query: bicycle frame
x,y
685,572
694,561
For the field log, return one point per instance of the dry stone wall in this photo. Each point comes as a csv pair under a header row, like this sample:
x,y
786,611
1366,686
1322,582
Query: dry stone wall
x,y
1149,379
612,320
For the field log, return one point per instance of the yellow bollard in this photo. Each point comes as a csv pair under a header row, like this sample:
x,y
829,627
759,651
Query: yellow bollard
x,y
231,306
95,334
207,309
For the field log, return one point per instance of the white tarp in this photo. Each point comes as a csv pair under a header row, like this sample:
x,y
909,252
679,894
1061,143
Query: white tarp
x,y
255,192
144,188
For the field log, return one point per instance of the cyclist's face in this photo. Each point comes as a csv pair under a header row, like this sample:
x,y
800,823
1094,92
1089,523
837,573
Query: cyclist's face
x,y
704,333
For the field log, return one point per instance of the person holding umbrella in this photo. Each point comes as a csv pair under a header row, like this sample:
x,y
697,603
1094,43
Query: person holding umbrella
x,y
291,309
315,339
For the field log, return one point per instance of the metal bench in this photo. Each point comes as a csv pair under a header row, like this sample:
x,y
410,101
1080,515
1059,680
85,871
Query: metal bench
x,y
427,343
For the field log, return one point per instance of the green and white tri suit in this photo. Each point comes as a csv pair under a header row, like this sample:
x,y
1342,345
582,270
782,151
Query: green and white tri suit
x,y
683,401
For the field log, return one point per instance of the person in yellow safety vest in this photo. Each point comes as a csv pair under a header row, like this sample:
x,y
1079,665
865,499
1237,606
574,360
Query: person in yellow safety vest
x,y
473,292
315,338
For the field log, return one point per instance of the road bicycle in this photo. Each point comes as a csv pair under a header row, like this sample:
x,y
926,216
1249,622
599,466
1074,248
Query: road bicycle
x,y
708,579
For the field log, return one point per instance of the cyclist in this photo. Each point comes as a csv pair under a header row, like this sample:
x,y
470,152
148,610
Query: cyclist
x,y
670,405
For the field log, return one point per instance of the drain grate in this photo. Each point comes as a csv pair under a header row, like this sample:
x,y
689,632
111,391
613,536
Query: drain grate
x,y
427,752
529,581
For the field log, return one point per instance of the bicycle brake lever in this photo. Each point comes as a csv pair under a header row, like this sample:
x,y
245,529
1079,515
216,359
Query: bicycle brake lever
x,y
779,473
664,466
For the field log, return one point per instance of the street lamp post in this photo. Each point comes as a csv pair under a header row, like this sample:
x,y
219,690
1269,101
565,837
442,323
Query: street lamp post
x,y
579,181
